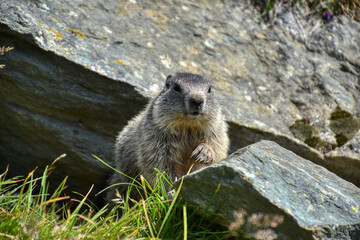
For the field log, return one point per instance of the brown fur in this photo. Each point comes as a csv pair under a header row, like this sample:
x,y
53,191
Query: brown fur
x,y
181,127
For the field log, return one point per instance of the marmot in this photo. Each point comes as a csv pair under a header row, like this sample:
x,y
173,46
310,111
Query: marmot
x,y
182,126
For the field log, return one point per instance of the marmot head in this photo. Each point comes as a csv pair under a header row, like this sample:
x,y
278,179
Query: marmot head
x,y
187,99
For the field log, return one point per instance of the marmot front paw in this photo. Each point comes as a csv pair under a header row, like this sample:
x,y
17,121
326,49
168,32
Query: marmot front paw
x,y
203,154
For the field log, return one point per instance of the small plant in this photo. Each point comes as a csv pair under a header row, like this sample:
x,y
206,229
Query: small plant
x,y
326,8
3,50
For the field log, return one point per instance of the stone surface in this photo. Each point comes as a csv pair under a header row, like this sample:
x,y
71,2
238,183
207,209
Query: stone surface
x,y
81,69
268,179
47,111
344,157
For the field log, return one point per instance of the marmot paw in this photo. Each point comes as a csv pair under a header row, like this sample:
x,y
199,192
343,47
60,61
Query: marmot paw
x,y
203,154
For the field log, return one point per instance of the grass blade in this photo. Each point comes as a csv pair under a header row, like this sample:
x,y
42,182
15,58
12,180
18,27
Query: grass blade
x,y
170,208
185,222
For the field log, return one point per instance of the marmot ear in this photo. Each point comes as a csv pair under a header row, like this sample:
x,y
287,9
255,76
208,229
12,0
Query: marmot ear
x,y
168,80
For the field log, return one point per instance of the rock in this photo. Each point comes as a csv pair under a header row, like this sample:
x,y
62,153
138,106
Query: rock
x,y
80,70
44,116
265,179
50,105
346,159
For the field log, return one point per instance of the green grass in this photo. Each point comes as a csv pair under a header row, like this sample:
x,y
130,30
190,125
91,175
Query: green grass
x,y
29,211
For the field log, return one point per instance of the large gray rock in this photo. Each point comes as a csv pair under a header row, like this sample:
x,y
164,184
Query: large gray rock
x,y
81,69
265,178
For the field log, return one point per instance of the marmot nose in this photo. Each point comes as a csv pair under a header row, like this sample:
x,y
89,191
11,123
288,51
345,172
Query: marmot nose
x,y
196,102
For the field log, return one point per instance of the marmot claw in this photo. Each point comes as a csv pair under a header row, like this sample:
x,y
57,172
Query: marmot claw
x,y
203,154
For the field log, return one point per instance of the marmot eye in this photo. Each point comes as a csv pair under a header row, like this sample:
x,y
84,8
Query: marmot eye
x,y
209,91
177,87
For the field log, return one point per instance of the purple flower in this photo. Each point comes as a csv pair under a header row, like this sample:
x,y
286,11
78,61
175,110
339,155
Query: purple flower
x,y
327,15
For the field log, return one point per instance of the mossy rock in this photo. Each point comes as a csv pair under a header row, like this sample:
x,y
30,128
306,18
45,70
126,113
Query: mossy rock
x,y
341,139
301,129
340,114
317,143
344,125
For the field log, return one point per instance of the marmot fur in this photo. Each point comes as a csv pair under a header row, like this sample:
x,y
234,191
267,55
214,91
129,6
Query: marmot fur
x,y
182,126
